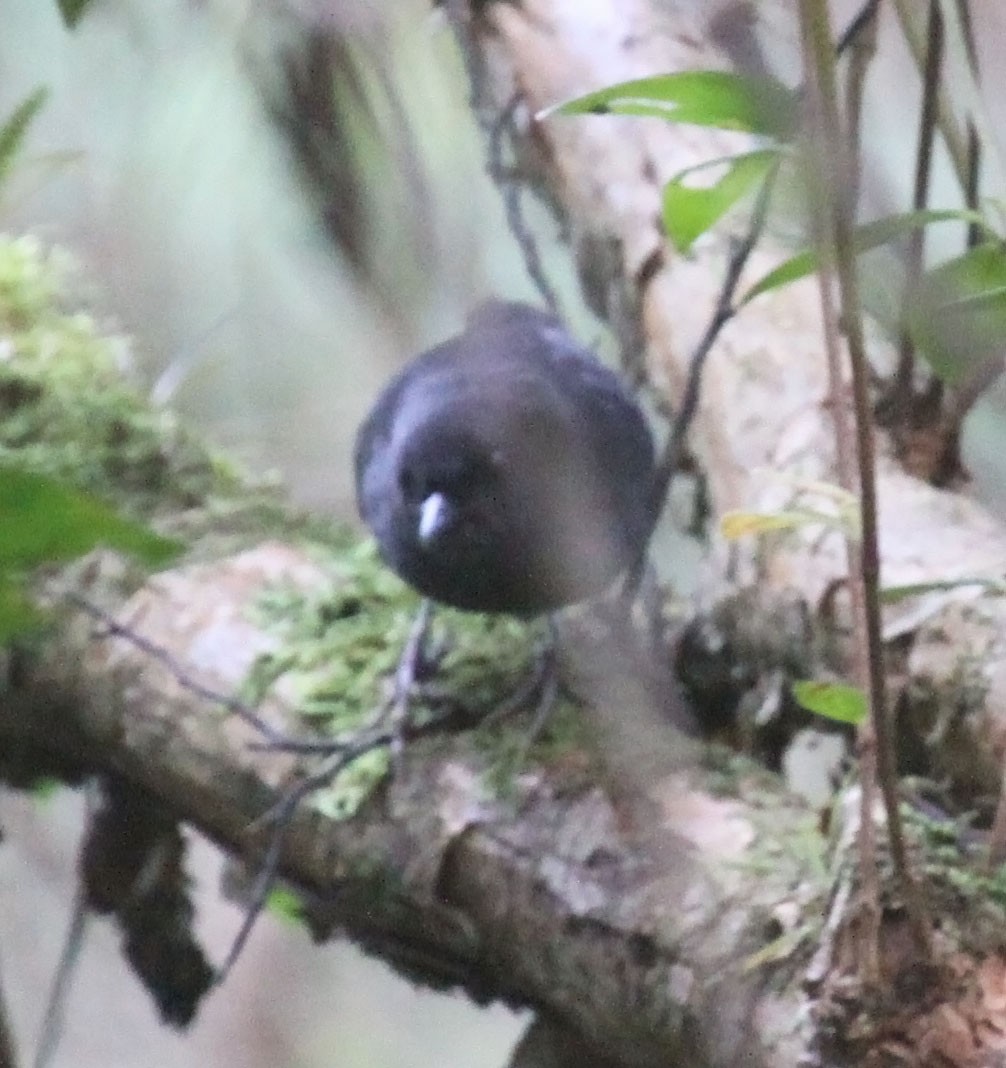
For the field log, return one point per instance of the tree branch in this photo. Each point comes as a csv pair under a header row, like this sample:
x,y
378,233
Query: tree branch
x,y
634,942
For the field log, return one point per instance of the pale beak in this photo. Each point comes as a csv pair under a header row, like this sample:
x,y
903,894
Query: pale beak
x,y
433,515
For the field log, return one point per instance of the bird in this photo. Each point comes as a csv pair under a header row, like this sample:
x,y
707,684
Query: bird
x,y
506,470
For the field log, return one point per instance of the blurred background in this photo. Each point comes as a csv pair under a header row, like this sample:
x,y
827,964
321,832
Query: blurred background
x,y
280,202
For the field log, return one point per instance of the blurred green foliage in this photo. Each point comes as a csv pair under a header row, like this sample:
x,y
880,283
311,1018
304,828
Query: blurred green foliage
x,y
15,129
72,11
956,314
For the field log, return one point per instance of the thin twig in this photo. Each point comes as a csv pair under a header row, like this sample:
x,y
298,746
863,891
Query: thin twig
x,y
870,570
877,731
901,389
112,628
974,162
280,818
864,20
460,15
862,47
724,311
379,732
54,1019
8,1056
673,454
510,183
953,136
819,166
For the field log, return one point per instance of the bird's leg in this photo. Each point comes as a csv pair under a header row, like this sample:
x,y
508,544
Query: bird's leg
x,y
548,690
411,667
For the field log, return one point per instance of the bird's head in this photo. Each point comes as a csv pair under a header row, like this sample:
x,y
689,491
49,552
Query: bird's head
x,y
449,481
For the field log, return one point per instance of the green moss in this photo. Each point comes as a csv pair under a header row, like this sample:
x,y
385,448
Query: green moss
x,y
341,645
67,407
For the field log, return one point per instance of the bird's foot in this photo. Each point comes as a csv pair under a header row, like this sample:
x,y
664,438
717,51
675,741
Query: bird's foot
x,y
414,666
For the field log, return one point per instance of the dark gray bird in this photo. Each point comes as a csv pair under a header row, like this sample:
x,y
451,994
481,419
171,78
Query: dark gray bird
x,y
506,470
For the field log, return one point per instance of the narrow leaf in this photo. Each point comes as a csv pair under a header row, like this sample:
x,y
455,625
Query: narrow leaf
x,y
734,525
15,129
689,211
43,520
72,11
869,236
700,97
834,700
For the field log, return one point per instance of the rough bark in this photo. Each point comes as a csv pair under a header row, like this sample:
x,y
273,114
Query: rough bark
x,y
635,939
764,430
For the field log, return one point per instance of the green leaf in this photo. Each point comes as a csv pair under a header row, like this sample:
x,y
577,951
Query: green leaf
x,y
689,211
737,524
72,11
17,614
42,520
866,237
701,97
834,700
15,129
286,905
957,313
46,788
734,525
